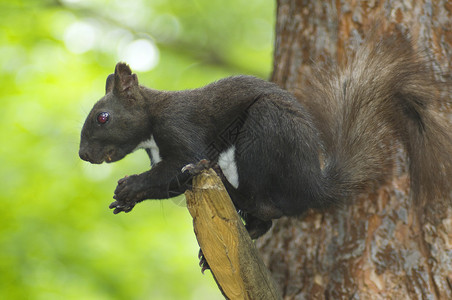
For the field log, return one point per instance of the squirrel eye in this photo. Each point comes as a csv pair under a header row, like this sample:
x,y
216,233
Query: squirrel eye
x,y
103,117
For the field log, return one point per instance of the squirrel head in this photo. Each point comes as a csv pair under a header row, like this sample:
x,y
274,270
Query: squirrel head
x,y
118,122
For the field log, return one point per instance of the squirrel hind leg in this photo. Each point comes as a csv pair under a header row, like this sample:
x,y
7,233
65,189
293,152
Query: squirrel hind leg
x,y
257,215
259,220
255,226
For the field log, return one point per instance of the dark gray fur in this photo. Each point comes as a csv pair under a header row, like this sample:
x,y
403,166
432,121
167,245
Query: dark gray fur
x,y
289,156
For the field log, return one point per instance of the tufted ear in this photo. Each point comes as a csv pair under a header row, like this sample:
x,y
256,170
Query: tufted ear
x,y
109,85
124,80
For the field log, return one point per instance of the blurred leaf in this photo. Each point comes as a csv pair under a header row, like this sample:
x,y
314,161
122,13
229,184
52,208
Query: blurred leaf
x,y
58,239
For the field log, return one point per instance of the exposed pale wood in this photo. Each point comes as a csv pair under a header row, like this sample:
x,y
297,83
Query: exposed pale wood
x,y
226,245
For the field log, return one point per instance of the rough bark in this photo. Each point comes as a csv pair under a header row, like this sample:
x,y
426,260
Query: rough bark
x,y
378,246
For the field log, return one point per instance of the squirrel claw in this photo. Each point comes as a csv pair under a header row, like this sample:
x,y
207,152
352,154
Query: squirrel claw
x,y
123,179
119,208
203,262
197,168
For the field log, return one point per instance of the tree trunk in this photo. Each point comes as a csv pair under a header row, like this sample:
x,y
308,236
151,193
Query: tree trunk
x,y
378,246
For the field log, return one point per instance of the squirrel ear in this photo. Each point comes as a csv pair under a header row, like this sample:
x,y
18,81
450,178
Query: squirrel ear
x,y
110,83
124,79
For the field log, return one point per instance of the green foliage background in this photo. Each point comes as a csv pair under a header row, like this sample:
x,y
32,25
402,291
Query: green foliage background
x,y
58,239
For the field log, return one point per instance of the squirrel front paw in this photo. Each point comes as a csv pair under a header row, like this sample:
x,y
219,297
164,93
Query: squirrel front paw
x,y
119,206
128,193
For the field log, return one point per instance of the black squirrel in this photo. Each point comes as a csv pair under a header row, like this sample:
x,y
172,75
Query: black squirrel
x,y
279,156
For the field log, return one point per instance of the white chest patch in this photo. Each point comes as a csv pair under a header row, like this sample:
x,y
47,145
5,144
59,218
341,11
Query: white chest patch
x,y
152,146
228,166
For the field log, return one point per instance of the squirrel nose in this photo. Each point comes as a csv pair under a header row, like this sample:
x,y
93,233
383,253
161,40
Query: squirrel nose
x,y
84,155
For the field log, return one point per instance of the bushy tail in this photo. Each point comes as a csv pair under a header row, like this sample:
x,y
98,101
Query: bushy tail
x,y
385,90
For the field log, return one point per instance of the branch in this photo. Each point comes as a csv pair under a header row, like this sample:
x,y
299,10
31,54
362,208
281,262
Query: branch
x,y
231,254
